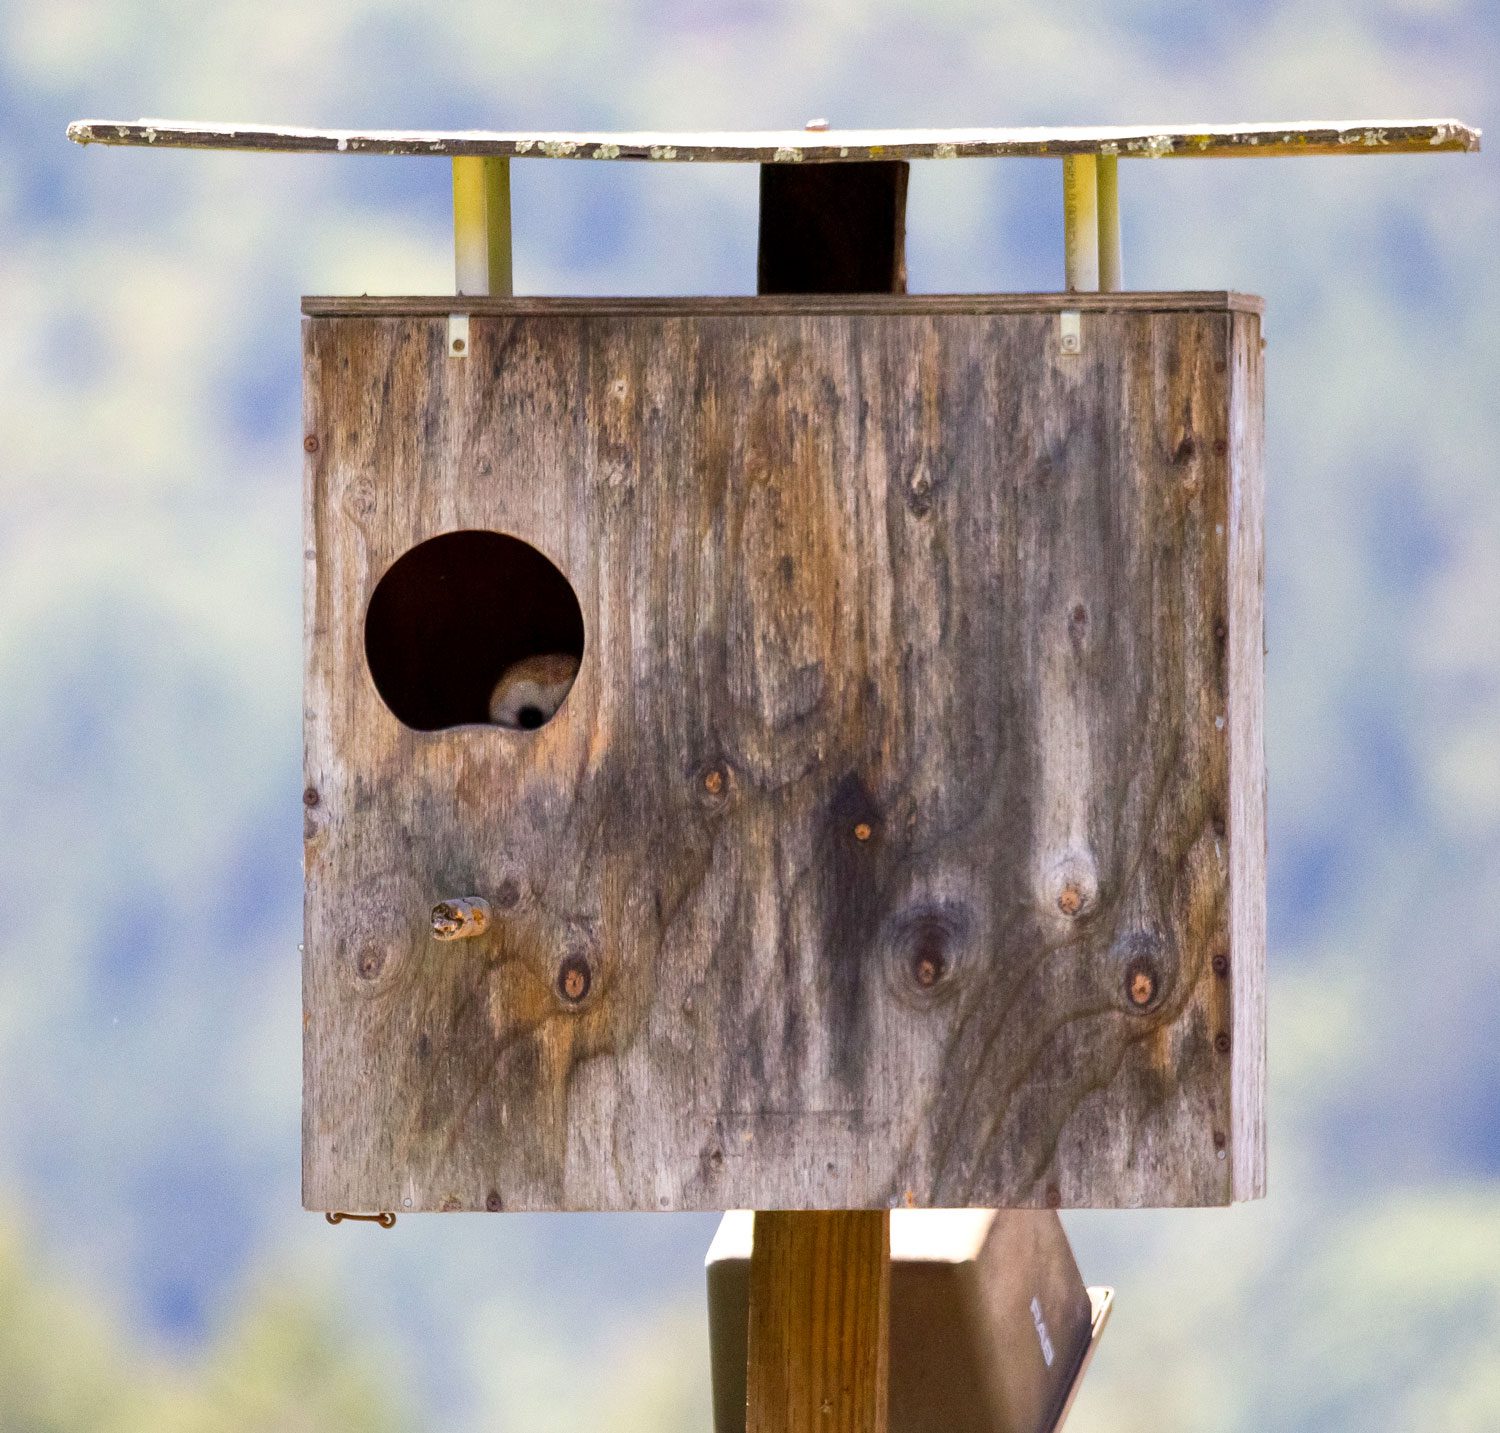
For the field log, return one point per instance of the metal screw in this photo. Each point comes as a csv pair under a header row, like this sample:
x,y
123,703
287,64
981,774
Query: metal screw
x,y
1221,965
459,345
310,797
1221,1043
310,443
863,831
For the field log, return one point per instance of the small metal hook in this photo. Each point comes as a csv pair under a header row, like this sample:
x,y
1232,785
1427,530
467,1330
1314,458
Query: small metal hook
x,y
386,1221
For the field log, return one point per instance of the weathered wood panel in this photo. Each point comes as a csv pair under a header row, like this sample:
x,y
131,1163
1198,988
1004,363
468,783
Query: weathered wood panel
x,y
794,146
819,1317
907,795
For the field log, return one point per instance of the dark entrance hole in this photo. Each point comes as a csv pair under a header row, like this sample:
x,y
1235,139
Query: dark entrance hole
x,y
454,615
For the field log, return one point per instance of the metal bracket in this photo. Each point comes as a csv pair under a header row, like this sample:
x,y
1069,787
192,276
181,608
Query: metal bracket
x,y
458,335
385,1220
1070,331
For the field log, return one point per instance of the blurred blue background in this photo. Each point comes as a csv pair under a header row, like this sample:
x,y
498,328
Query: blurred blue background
x,y
155,1269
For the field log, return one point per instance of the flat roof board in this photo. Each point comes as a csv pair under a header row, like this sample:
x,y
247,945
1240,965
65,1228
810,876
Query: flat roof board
x,y
792,146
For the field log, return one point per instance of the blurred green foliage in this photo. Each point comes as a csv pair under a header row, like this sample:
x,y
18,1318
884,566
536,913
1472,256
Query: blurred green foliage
x,y
66,1365
150,660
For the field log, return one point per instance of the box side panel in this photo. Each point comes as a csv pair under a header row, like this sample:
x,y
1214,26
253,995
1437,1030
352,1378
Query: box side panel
x,y
1247,813
887,812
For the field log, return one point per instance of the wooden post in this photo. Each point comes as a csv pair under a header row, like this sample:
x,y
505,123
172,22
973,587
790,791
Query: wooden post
x,y
481,225
819,1336
833,228
1081,223
1111,268
819,1331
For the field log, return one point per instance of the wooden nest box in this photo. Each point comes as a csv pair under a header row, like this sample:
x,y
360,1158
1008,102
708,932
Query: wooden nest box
x,y
900,840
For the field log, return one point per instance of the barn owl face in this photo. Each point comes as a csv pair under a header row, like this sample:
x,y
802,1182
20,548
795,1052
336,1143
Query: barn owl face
x,y
530,691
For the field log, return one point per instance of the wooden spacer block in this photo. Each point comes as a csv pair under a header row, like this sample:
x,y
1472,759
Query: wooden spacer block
x,y
1081,223
481,226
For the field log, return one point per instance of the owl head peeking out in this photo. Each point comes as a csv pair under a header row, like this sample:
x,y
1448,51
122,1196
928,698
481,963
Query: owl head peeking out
x,y
530,691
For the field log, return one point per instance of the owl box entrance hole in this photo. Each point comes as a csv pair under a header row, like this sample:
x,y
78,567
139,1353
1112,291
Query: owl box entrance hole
x,y
451,620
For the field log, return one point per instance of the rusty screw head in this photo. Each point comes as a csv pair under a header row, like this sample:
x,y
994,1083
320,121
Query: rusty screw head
x,y
1221,1043
310,797
1141,982
459,345
1220,964
863,831
310,443
574,979
927,969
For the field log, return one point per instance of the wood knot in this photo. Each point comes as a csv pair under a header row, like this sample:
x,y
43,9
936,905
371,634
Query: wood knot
x,y
460,919
927,945
1072,888
369,962
575,978
919,494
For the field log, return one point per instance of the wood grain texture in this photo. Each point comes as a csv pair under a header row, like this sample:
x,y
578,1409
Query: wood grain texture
x,y
762,306
832,229
819,1323
795,146
1246,1006
909,789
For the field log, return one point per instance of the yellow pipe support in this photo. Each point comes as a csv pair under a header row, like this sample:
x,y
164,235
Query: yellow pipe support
x,y
1081,223
481,225
1111,271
